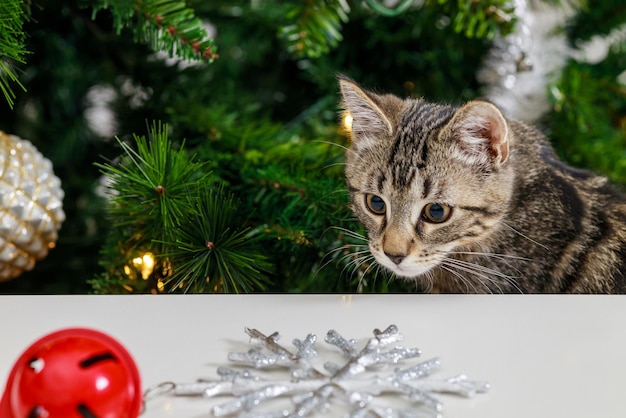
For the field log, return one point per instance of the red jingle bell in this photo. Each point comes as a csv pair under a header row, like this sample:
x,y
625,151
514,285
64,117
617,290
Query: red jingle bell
x,y
73,373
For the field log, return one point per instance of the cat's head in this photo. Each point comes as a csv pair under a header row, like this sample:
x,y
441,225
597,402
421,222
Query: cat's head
x,y
426,180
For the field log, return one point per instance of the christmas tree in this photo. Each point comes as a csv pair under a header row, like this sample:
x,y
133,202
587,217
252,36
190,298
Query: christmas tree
x,y
200,146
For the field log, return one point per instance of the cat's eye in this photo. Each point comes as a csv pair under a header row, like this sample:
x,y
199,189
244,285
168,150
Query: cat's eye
x,y
437,212
375,204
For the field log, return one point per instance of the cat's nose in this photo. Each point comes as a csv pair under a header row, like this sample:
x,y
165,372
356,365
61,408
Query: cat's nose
x,y
396,258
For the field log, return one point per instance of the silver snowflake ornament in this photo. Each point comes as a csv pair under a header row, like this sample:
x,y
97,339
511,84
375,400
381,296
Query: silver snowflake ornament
x,y
351,383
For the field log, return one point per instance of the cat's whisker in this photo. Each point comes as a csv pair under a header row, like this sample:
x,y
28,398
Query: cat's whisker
x,y
379,272
483,272
334,255
362,284
371,265
335,144
349,232
426,283
463,279
346,247
340,191
453,263
356,262
333,165
355,154
363,273
352,267
357,255
479,267
343,147
482,278
502,258
487,273
525,236
493,255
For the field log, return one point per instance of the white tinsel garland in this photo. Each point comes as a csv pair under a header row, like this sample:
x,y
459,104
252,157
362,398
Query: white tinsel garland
x,y
519,66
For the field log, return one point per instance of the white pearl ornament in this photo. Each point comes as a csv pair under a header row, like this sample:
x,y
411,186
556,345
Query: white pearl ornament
x,y
31,206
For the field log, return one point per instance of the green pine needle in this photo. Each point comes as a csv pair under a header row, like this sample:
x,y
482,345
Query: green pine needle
x,y
213,251
165,25
314,28
12,17
162,202
150,185
479,18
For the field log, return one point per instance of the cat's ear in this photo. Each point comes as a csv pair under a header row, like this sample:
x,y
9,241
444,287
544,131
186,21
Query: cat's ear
x,y
482,132
365,108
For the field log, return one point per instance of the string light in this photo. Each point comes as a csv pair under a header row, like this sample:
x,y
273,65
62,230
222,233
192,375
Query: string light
x,y
144,264
347,121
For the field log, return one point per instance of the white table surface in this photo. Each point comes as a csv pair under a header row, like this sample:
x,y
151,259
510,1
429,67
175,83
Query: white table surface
x,y
544,356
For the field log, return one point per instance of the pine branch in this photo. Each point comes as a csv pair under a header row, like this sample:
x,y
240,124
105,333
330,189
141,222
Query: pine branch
x,y
165,25
213,252
315,27
479,18
12,17
150,185
472,18
587,122
161,202
148,200
383,9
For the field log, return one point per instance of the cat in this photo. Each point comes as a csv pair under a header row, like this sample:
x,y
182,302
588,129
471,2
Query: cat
x,y
464,200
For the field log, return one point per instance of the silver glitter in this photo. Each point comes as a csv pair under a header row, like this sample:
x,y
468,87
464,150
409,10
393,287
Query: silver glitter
x,y
346,386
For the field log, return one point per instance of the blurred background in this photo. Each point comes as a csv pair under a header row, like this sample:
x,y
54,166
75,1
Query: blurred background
x,y
231,108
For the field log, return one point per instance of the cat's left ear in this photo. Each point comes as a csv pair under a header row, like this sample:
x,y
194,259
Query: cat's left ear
x,y
482,132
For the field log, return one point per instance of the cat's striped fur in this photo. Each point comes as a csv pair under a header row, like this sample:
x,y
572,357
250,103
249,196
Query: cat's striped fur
x,y
465,201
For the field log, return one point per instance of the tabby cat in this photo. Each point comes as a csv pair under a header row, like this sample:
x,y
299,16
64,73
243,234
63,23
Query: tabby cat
x,y
464,200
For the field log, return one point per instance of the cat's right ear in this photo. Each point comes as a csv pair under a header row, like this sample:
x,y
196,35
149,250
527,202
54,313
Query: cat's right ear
x,y
365,108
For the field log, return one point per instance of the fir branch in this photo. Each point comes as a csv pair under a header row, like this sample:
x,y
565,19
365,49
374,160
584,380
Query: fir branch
x,y
149,186
315,27
165,25
12,49
587,122
162,202
472,18
387,11
480,18
212,251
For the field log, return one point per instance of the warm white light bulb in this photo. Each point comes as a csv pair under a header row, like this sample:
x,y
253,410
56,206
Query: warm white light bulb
x,y
145,264
347,121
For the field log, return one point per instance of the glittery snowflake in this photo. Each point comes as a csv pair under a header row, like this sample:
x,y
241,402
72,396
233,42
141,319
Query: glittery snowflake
x,y
350,386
